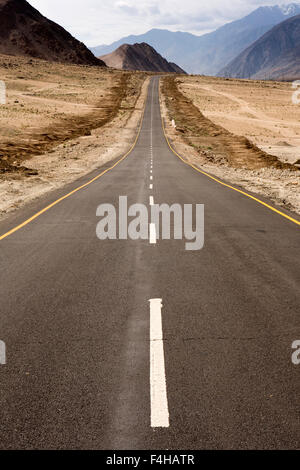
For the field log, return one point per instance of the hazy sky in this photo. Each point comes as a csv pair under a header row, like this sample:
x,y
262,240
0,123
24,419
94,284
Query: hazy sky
x,y
98,22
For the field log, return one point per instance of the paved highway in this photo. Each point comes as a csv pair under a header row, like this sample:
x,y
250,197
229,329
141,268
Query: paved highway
x,y
92,364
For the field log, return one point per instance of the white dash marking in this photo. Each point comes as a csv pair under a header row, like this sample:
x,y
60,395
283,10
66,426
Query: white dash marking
x,y
151,186
151,178
151,200
152,238
158,386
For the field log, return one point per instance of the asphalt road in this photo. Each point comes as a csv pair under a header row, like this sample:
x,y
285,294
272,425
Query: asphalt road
x,y
75,318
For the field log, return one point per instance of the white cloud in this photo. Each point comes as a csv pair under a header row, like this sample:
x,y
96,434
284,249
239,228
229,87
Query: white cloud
x,y
103,21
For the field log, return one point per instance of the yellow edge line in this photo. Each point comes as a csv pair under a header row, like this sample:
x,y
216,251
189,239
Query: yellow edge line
x,y
224,184
38,214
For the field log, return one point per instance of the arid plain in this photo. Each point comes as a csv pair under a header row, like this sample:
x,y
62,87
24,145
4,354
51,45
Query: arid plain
x,y
262,111
244,131
61,121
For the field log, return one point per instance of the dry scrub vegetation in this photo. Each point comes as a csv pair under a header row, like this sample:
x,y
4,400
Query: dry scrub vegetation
x,y
212,116
60,122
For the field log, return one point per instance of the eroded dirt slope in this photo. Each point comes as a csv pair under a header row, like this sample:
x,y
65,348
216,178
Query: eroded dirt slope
x,y
211,139
92,118
262,111
48,104
208,146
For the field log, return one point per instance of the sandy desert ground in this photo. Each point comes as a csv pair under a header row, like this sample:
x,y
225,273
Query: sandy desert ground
x,y
60,122
262,111
214,116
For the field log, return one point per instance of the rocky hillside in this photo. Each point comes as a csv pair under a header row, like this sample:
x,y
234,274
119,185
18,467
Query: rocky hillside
x,y
274,56
139,57
209,53
24,31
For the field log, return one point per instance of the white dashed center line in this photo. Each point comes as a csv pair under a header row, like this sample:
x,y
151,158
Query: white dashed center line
x,y
152,238
158,386
152,227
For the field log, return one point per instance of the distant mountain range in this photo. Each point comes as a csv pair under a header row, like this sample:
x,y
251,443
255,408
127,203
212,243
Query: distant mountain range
x,y
24,31
274,56
139,57
263,44
171,45
210,53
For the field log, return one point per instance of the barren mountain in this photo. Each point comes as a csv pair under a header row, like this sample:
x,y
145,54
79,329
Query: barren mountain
x,y
274,56
24,31
139,57
209,53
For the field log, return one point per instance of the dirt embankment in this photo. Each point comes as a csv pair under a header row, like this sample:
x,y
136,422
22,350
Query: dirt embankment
x,y
262,111
28,141
79,118
219,152
211,140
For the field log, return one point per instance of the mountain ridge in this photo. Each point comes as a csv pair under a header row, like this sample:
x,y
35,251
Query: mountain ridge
x,y
25,31
276,55
211,52
139,56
